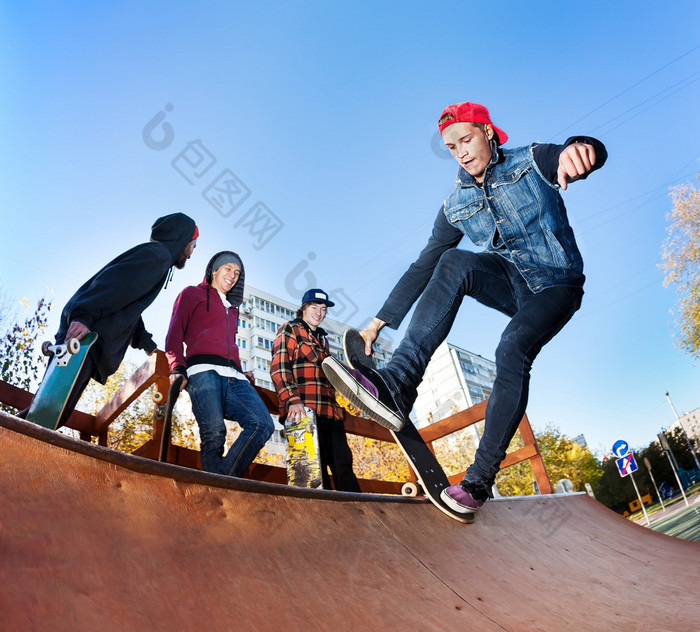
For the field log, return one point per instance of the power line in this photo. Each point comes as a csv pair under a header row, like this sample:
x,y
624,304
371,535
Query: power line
x,y
626,90
652,98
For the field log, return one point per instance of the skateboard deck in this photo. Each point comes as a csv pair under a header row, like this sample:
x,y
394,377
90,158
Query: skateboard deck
x,y
425,466
354,349
303,455
64,366
173,394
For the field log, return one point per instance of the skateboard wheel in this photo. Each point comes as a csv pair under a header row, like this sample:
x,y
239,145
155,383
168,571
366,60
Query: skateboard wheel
x,y
46,348
157,397
73,345
409,489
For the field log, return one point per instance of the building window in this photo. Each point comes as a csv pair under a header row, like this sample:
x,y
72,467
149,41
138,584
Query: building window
x,y
264,343
266,325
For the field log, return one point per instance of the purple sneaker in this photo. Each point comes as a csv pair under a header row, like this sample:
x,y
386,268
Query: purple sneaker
x,y
362,393
460,500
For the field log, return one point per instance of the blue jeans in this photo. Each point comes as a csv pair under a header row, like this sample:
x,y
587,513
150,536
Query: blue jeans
x,y
215,398
535,320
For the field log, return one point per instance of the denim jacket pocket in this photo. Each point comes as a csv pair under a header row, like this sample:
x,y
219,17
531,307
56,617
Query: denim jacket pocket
x,y
558,252
473,220
511,177
463,212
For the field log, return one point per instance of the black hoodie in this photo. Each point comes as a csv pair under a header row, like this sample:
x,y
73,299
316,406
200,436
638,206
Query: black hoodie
x,y
112,301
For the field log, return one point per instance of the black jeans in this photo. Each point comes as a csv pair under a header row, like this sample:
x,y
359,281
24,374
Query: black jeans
x,y
535,320
336,454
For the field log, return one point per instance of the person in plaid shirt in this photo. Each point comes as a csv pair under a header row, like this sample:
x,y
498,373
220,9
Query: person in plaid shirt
x,y
297,353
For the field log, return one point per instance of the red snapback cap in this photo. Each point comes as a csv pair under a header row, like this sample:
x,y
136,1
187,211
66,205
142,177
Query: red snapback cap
x,y
468,112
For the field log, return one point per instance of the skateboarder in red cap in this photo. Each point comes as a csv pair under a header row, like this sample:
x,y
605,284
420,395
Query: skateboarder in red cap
x,y
508,202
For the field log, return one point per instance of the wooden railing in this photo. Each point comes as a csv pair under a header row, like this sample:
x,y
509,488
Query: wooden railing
x,y
155,372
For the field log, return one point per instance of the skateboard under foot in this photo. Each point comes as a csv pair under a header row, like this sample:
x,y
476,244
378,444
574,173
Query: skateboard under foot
x,y
431,477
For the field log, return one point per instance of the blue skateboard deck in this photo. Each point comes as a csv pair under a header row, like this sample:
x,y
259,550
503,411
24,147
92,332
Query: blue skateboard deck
x,y
50,399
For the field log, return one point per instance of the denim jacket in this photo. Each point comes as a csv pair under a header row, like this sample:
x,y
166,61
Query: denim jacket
x,y
517,213
521,216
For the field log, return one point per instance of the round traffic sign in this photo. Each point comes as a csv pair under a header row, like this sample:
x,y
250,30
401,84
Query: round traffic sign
x,y
620,448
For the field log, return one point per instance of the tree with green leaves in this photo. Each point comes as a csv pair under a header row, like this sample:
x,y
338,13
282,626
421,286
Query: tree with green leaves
x,y
563,458
617,492
681,263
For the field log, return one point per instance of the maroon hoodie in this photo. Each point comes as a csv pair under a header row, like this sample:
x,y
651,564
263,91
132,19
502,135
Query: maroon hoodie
x,y
202,323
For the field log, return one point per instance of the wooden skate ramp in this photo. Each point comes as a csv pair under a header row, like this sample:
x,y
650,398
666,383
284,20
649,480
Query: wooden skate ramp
x,y
92,539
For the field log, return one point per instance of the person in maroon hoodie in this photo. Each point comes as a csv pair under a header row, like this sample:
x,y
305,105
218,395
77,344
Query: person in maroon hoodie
x,y
201,346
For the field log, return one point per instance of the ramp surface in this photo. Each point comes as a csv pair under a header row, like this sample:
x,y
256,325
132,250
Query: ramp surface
x,y
92,539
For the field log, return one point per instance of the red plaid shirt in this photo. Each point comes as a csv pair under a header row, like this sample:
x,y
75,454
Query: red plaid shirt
x,y
296,370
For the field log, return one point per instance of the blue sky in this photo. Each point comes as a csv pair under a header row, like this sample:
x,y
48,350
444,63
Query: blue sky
x,y
324,113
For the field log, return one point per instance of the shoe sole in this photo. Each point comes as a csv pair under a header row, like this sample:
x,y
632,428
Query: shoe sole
x,y
354,348
454,505
359,396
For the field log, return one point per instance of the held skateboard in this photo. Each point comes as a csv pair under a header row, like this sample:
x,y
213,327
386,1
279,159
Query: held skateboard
x,y
303,455
173,393
64,366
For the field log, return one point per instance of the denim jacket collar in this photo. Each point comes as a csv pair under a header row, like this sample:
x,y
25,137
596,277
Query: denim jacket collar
x,y
465,180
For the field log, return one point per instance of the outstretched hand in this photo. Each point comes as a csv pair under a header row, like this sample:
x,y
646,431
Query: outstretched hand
x,y
576,160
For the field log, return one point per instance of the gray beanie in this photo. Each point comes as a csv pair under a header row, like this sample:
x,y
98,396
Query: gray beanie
x,y
224,258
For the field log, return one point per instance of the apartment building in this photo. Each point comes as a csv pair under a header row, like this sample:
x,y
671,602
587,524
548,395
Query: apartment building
x,y
454,380
260,316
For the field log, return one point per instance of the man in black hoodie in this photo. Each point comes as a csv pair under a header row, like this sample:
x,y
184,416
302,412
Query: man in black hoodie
x,y
111,302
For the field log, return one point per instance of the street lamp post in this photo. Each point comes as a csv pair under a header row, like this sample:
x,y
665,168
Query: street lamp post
x,y
685,434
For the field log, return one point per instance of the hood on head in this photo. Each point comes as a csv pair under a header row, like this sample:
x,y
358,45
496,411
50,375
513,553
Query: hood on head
x,y
235,294
174,231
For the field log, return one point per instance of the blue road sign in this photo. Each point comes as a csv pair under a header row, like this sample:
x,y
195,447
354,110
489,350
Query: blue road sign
x,y
620,448
626,465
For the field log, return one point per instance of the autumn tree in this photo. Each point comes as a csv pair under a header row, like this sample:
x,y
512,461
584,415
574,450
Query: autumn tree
x,y
135,425
374,459
681,263
21,362
456,451
379,460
